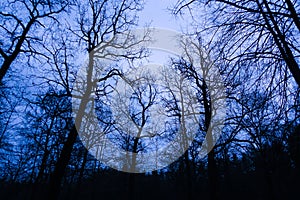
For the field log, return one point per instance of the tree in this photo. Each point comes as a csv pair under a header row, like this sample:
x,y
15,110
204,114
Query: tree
x,y
98,25
258,31
19,22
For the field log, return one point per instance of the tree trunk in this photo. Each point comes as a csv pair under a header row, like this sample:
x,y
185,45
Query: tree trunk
x,y
9,59
59,171
280,41
293,13
64,158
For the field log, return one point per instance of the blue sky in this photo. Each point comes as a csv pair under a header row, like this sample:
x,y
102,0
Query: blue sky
x,y
157,12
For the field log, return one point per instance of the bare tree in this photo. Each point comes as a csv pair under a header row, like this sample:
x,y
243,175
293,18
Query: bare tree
x,y
21,26
264,32
98,25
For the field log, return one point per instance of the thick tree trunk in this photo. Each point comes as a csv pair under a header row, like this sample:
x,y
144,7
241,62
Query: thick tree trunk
x,y
280,41
65,155
211,165
293,13
9,59
59,171
4,68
